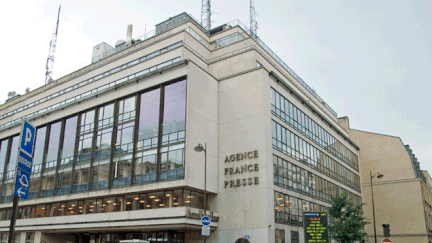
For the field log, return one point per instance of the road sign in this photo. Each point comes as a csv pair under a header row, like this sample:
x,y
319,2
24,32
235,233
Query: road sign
x,y
27,138
25,160
205,230
22,182
205,220
247,237
386,241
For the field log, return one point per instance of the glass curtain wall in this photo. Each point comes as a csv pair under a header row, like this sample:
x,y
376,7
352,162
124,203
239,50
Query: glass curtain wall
x,y
67,151
148,132
3,153
138,139
49,170
85,144
173,132
10,170
123,151
38,155
102,153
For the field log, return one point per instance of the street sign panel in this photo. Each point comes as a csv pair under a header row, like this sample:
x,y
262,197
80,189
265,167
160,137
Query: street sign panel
x,y
247,237
25,160
22,182
205,220
386,241
27,138
205,230
315,225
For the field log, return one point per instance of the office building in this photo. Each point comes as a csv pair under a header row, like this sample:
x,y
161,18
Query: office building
x,y
114,153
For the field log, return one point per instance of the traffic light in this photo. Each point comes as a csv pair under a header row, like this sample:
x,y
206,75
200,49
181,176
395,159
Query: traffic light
x,y
386,230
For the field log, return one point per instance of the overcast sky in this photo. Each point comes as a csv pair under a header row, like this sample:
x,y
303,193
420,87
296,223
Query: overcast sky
x,y
369,60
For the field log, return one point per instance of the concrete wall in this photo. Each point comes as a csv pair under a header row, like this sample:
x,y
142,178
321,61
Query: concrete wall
x,y
245,126
398,195
384,154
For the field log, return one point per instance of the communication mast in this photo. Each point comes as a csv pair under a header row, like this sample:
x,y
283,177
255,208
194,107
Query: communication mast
x,y
253,21
206,14
51,54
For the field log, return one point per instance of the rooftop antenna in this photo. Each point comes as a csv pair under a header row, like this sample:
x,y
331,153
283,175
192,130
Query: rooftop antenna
x,y
51,54
206,14
253,22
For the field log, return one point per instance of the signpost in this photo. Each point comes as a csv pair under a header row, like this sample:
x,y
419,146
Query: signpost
x,y
23,170
386,241
205,221
316,230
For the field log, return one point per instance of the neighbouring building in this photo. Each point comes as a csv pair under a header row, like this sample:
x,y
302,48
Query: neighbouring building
x,y
114,152
402,197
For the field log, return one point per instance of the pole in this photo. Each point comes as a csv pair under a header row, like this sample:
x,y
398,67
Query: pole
x,y
205,183
13,219
373,207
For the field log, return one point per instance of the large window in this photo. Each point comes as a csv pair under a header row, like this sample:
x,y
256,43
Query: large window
x,y
279,236
289,143
10,170
64,175
102,154
294,117
85,144
132,140
295,178
295,238
3,237
3,153
49,172
30,237
173,131
38,155
123,151
119,203
289,209
148,132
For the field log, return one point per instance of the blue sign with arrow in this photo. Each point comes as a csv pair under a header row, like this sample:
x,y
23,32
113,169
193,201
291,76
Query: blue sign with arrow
x,y
205,220
25,160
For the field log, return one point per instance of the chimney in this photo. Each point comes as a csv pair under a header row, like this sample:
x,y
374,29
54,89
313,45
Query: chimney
x,y
129,35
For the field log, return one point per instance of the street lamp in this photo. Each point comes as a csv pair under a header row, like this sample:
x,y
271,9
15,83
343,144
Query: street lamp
x,y
200,148
379,176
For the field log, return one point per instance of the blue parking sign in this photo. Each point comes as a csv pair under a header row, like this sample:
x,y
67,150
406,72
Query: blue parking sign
x,y
27,138
25,160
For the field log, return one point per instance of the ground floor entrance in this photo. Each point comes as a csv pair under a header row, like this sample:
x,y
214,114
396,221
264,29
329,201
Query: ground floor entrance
x,y
116,237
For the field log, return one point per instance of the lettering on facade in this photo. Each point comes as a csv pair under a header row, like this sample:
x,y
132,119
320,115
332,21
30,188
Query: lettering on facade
x,y
198,215
242,156
247,168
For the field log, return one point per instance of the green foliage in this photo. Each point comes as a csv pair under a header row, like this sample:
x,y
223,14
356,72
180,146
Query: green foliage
x,y
347,221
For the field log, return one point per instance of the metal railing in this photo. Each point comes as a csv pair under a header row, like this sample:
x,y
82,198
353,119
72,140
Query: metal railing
x,y
282,63
178,22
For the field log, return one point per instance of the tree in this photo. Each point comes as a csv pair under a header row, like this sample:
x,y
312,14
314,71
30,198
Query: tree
x,y
347,221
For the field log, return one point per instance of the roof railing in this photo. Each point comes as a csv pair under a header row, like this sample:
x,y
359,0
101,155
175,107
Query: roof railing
x,y
179,21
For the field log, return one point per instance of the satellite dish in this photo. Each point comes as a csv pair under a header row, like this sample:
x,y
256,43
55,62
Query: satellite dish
x,y
11,94
27,90
119,42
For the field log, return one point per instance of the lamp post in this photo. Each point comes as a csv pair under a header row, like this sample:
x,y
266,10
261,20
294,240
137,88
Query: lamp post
x,y
379,176
200,148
